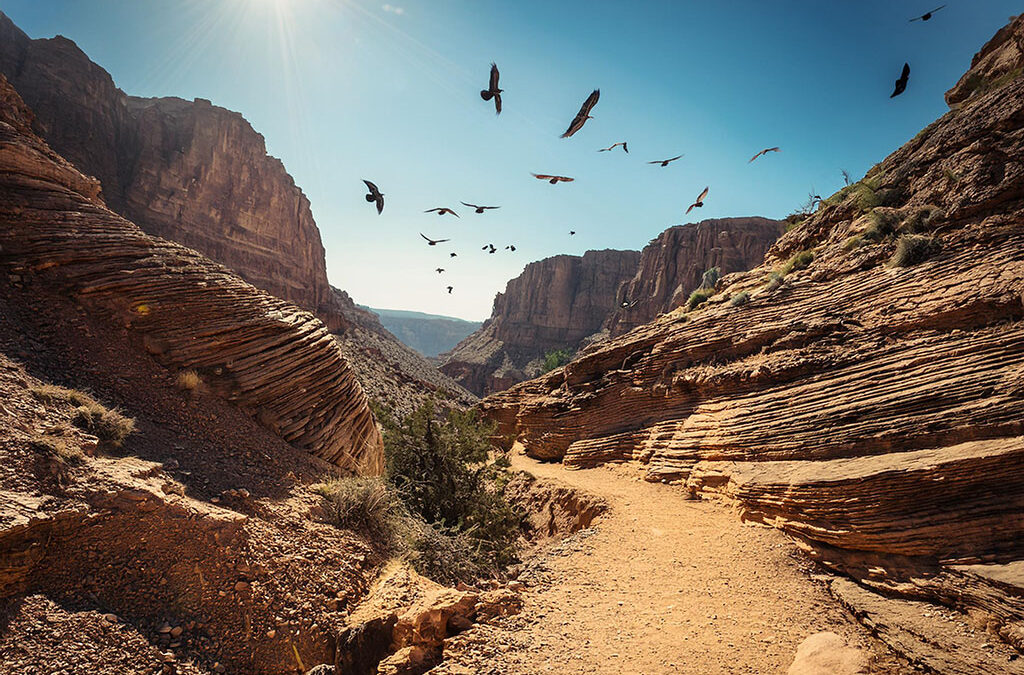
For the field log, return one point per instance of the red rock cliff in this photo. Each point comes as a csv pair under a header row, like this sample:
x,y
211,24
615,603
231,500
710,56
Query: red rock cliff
x,y
671,266
867,395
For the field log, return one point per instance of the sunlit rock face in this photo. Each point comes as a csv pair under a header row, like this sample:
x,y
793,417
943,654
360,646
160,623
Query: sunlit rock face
x,y
869,398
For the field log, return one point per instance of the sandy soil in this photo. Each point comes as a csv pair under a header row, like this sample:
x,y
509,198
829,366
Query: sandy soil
x,y
661,585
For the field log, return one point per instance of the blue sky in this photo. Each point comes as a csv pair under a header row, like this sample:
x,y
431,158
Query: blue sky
x,y
350,89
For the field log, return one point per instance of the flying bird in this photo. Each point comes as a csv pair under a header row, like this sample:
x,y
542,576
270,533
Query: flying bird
x,y
441,210
450,289
554,180
439,270
511,247
665,162
584,114
615,145
492,90
927,15
479,209
700,201
375,195
764,152
901,84
572,232
433,242
452,254
488,246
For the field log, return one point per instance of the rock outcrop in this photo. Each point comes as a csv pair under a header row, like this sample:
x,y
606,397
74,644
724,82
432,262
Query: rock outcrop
x,y
271,358
199,175
553,304
672,265
862,388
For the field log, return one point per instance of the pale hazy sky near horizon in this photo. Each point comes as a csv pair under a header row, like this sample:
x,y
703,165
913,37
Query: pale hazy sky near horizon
x,y
351,89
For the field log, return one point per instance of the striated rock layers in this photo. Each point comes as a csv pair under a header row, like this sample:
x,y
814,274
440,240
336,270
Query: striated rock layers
x,y
271,358
671,266
553,304
866,394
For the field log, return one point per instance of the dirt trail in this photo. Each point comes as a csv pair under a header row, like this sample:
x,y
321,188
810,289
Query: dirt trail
x,y
664,585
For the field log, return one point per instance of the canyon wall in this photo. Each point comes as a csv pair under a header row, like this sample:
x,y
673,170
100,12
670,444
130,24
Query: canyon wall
x,y
271,358
553,304
671,266
863,388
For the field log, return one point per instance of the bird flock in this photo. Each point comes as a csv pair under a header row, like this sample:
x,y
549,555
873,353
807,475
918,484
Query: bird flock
x,y
493,93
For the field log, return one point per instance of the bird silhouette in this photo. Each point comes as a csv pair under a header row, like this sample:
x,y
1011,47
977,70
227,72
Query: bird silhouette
x,y
700,201
554,180
441,210
375,195
615,145
764,152
450,289
511,247
927,15
584,114
433,242
439,270
665,162
452,254
485,247
492,90
572,232
901,84
479,209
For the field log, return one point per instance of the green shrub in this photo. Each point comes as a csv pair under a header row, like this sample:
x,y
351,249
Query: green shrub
x,y
882,224
797,261
710,278
109,426
369,505
912,249
773,282
739,299
856,241
698,297
556,359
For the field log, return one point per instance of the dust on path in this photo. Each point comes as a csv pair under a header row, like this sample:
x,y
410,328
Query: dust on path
x,y
665,585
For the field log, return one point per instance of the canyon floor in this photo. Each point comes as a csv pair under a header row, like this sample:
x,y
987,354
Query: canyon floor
x,y
660,584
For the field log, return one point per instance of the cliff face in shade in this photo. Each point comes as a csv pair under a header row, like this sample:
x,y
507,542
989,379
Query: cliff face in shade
x,y
187,171
269,357
671,266
553,304
872,403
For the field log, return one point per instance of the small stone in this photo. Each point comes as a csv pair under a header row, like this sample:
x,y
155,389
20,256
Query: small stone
x,y
241,586
271,634
166,628
176,631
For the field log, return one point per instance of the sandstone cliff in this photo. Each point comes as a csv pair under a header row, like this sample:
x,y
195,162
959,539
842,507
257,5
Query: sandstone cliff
x,y
198,174
861,389
59,238
671,266
553,304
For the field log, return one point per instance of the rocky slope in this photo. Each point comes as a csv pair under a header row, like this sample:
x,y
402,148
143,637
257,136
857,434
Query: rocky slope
x,y
199,175
862,388
428,334
553,304
671,266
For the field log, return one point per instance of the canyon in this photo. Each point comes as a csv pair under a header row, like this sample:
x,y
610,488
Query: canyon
x,y
859,390
568,302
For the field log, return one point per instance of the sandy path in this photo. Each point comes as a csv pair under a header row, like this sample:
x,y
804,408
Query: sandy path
x,y
665,585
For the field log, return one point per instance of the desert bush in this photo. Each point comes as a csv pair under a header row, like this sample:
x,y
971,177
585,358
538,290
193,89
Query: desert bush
x,y
710,278
189,380
55,446
881,225
773,282
368,505
739,299
109,426
912,249
921,220
51,393
856,241
797,261
698,297
556,358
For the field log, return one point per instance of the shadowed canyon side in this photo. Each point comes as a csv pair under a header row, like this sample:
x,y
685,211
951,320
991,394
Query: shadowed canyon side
x,y
552,305
671,266
198,174
59,238
863,389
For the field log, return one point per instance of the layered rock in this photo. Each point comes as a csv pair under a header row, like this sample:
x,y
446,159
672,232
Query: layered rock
x,y
199,175
278,362
671,265
861,389
553,304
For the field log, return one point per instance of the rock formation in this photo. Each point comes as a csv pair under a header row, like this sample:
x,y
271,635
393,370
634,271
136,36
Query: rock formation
x,y
428,334
862,388
199,175
671,266
269,357
553,304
